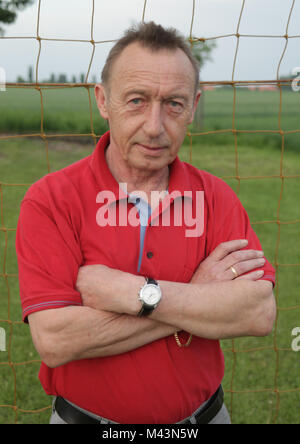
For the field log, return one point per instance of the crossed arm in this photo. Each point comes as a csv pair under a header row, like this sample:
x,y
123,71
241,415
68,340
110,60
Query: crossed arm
x,y
212,305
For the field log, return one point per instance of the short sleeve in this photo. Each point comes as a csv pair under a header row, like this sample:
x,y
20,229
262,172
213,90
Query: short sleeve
x,y
48,259
230,222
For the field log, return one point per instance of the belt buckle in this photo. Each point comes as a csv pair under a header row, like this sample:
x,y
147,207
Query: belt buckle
x,y
104,421
192,420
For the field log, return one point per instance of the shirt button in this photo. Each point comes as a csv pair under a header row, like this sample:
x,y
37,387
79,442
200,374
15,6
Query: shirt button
x,y
149,254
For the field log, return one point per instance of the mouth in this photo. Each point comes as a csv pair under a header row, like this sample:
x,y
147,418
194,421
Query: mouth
x,y
152,149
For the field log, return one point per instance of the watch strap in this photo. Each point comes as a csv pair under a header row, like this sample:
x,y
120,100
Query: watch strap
x,y
151,281
145,310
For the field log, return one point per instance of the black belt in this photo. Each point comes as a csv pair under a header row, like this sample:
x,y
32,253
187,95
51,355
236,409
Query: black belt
x,y
71,415
211,409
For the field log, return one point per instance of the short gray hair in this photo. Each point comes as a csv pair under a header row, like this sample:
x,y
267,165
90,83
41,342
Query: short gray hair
x,y
154,37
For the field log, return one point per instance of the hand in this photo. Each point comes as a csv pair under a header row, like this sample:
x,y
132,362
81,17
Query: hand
x,y
216,267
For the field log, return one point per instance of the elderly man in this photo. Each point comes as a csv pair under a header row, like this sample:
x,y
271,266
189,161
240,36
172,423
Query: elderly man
x,y
126,306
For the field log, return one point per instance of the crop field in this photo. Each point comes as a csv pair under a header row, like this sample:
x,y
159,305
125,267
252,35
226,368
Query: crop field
x,y
262,380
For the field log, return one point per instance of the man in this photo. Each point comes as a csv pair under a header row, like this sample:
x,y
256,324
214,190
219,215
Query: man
x,y
126,311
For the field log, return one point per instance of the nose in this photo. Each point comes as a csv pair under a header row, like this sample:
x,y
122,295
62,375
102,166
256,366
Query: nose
x,y
153,125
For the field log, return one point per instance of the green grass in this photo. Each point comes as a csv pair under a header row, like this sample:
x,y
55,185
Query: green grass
x,y
263,378
65,111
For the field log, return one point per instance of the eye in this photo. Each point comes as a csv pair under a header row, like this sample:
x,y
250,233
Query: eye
x,y
175,106
136,101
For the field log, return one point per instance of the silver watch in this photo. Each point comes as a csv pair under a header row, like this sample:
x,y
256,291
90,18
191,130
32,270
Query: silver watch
x,y
150,296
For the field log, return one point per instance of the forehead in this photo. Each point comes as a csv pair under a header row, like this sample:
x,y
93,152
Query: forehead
x,y
138,66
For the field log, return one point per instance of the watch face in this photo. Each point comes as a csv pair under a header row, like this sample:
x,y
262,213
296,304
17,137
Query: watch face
x,y
151,294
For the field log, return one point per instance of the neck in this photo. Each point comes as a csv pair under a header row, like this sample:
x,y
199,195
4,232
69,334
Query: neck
x,y
137,180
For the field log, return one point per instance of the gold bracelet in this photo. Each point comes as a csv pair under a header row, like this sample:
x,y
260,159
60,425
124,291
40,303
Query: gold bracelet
x,y
179,343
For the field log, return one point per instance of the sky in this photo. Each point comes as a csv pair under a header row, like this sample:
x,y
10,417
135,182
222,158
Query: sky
x,y
257,57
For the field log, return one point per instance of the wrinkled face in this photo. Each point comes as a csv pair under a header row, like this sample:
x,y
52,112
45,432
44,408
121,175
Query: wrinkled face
x,y
149,102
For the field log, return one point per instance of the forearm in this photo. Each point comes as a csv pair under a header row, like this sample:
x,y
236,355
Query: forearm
x,y
214,310
218,310
72,333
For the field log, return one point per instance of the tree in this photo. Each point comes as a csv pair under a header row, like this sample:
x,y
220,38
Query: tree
x,y
202,53
8,10
62,78
20,79
30,74
52,78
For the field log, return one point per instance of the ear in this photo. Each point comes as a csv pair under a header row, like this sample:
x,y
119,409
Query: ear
x,y
101,99
196,101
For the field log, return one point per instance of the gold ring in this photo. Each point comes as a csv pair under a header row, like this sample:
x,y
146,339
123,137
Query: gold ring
x,y
234,272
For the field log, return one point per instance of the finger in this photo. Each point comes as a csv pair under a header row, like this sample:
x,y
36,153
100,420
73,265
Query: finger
x,y
241,256
244,267
254,276
225,248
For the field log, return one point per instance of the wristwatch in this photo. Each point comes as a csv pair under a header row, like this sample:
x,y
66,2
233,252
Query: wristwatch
x,y
150,295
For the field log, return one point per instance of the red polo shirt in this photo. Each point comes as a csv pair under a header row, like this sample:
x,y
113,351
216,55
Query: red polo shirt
x,y
58,232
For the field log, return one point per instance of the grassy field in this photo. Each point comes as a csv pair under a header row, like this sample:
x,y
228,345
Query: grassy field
x,y
262,380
